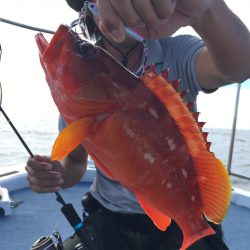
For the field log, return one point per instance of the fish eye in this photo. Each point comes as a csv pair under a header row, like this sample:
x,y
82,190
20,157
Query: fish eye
x,y
87,49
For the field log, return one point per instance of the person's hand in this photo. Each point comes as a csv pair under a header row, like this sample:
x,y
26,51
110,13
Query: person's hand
x,y
44,175
151,18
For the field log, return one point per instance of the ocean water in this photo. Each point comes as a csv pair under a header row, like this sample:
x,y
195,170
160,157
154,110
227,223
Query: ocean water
x,y
39,135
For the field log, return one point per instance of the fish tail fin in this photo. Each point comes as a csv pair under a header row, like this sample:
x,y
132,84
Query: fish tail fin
x,y
70,138
189,237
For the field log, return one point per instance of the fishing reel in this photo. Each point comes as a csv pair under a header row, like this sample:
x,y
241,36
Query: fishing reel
x,y
47,242
54,242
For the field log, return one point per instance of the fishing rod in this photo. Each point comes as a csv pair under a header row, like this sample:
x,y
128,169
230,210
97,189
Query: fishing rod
x,y
25,26
67,208
59,197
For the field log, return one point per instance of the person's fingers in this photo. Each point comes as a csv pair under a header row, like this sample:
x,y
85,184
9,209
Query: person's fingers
x,y
39,165
164,8
110,22
146,11
138,14
41,174
47,189
174,23
127,12
43,181
42,158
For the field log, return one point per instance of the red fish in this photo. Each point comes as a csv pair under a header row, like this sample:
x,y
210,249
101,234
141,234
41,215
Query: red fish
x,y
139,132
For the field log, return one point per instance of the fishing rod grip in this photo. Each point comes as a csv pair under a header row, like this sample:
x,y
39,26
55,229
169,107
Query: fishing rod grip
x,y
71,215
79,226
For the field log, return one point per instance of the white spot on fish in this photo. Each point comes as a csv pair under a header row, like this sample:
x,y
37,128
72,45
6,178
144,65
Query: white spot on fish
x,y
169,185
142,105
153,113
184,173
115,84
123,93
165,161
171,143
129,132
149,157
193,198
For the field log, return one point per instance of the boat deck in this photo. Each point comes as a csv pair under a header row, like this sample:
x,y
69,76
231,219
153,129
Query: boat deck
x,y
39,215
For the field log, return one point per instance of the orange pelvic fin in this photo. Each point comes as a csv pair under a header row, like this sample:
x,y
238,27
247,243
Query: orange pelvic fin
x,y
161,220
213,180
70,138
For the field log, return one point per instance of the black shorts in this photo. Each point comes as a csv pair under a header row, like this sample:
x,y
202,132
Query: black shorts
x,y
118,231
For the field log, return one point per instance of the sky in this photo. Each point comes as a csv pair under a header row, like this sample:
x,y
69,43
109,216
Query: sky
x,y
25,92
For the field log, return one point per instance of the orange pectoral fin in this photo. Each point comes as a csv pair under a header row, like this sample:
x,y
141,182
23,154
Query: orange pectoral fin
x,y
70,138
161,220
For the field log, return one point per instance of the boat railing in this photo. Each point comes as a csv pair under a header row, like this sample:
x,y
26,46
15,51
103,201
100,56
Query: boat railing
x,y
232,139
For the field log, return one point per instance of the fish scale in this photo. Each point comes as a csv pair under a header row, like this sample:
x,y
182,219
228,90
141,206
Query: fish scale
x,y
139,132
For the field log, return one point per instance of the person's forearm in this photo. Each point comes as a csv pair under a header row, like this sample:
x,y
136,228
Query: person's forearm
x,y
228,41
73,171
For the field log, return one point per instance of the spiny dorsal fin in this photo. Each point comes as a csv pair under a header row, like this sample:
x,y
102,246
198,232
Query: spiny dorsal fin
x,y
164,74
183,94
201,124
175,84
208,145
196,116
205,135
152,68
190,106
213,180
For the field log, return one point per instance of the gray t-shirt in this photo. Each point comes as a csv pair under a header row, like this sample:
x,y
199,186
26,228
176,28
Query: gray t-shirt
x,y
177,54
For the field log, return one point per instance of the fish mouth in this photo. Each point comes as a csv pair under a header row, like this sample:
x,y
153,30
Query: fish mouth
x,y
49,51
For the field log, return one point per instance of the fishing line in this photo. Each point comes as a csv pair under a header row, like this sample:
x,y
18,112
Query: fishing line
x,y
91,9
25,26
